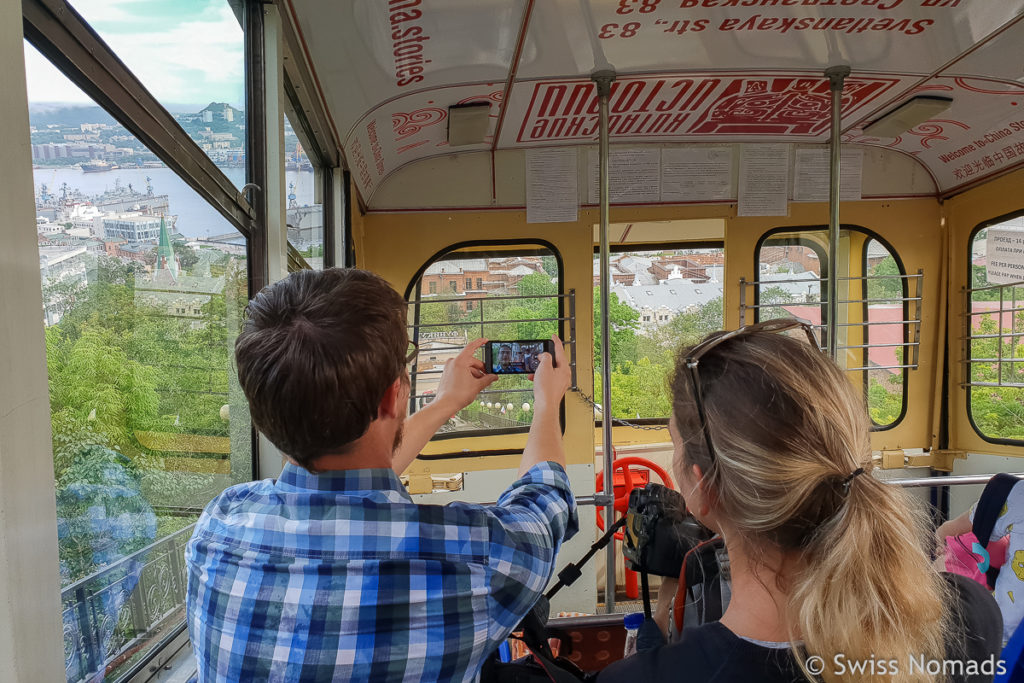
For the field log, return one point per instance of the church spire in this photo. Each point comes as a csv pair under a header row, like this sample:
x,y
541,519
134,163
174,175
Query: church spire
x,y
165,259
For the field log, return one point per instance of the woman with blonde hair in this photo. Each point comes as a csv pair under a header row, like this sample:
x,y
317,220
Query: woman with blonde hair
x,y
830,575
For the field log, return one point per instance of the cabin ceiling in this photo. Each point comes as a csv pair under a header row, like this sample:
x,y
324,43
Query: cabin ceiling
x,y
688,71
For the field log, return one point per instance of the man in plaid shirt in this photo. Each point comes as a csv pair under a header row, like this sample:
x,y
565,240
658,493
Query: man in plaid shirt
x,y
331,572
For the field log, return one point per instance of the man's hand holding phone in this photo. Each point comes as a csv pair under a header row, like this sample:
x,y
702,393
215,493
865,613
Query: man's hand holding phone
x,y
463,378
552,378
550,382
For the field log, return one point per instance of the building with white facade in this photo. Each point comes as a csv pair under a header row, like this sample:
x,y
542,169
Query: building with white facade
x,y
131,227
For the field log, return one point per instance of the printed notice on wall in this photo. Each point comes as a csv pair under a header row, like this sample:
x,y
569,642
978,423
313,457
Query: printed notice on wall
x,y
764,180
1004,255
812,174
634,176
696,174
551,186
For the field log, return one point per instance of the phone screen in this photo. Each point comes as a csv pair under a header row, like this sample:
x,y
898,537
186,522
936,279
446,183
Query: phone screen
x,y
515,357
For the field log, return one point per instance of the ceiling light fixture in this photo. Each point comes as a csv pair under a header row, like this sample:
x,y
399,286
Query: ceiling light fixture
x,y
468,123
911,113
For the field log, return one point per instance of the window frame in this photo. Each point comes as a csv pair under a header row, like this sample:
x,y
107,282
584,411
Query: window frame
x,y
826,269
75,49
967,347
503,248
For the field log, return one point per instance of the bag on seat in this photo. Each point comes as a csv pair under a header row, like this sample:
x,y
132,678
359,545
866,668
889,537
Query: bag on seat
x,y
971,554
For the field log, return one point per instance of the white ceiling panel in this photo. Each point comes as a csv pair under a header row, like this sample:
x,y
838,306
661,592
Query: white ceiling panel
x,y
366,52
981,134
643,36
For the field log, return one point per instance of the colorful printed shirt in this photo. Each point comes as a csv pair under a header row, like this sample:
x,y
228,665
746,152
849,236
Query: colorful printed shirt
x,y
1009,588
341,577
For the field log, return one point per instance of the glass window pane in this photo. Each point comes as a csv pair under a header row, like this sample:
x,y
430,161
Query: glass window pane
x,y
885,291
305,212
997,345
661,299
190,55
449,315
143,287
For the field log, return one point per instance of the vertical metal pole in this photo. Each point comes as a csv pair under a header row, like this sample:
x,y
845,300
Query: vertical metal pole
x,y
836,76
604,79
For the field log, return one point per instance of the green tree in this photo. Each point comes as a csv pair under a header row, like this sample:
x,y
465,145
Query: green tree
x,y
688,328
624,321
998,411
96,388
890,288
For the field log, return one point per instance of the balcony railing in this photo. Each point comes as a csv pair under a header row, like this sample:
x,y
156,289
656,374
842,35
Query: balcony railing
x,y
112,615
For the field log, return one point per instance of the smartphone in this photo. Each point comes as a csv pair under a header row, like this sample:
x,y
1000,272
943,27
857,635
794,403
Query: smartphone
x,y
519,357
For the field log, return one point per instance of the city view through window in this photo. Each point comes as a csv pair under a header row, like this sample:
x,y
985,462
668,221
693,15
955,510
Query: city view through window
x,y
659,299
143,286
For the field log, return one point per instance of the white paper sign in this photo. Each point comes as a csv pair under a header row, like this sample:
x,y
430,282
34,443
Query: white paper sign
x,y
764,180
812,175
695,174
634,176
552,194
1004,255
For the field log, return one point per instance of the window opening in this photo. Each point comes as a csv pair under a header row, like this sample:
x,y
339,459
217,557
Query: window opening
x,y
993,332
520,298
662,297
879,307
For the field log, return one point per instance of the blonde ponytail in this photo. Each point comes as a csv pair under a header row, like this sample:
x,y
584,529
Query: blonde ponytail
x,y
867,601
789,430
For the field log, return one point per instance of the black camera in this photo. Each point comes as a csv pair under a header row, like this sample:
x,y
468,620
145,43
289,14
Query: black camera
x,y
659,532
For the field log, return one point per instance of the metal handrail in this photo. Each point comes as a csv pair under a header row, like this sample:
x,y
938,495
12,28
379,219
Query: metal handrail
x,y
491,322
991,287
956,480
125,560
486,297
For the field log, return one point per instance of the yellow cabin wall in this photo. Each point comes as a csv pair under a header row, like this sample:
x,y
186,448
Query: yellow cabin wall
x,y
964,213
396,245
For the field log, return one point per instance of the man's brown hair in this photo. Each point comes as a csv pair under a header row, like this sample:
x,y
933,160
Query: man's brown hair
x,y
316,353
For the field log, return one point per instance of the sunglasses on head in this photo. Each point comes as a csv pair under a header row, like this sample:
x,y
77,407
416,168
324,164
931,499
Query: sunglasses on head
x,y
692,360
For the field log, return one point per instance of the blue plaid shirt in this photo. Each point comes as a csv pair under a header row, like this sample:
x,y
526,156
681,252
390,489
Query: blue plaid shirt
x,y
340,576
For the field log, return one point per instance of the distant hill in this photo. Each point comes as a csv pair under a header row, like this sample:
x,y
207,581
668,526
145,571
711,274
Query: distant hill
x,y
62,114
43,114
218,107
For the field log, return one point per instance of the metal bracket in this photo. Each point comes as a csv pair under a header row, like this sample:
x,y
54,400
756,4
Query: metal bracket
x,y
894,459
940,460
603,79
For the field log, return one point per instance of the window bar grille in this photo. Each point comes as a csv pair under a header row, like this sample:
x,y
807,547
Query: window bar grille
x,y
482,323
911,320
1004,335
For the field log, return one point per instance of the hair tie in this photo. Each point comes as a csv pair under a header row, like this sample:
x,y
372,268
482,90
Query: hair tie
x,y
849,480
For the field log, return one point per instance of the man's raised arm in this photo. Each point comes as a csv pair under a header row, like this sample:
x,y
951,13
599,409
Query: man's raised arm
x,y
464,377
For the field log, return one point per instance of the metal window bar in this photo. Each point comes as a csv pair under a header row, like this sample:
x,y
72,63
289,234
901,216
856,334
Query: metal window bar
x,y
911,322
1005,359
482,323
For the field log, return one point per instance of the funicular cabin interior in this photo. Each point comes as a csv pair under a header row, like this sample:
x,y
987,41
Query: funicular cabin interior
x,y
635,171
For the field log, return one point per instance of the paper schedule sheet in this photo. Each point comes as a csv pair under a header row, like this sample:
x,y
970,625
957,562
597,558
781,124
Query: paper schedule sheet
x,y
813,174
764,180
552,194
693,174
634,176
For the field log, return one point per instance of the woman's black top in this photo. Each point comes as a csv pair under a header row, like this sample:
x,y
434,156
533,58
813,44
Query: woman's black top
x,y
714,653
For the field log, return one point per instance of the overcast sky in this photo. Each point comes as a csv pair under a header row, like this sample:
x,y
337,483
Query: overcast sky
x,y
186,52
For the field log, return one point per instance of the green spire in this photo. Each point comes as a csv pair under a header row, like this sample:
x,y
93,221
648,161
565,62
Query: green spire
x,y
165,252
